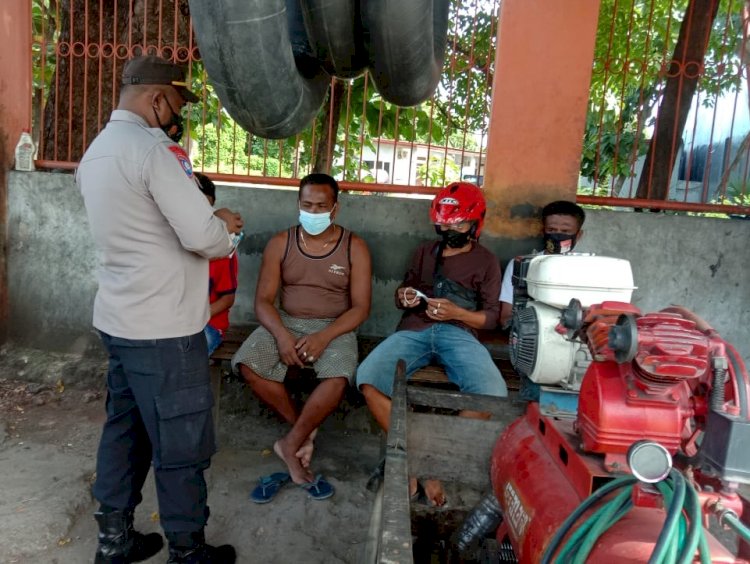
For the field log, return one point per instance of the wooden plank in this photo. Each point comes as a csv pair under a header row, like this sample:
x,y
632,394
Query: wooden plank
x,y
430,375
231,341
395,539
496,342
452,448
238,333
224,352
448,399
370,550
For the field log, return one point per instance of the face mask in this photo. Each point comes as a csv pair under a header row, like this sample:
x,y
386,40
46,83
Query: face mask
x,y
315,223
173,128
454,239
559,243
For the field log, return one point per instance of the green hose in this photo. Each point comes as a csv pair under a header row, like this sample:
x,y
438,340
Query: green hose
x,y
604,522
674,498
681,536
737,526
594,498
575,540
695,528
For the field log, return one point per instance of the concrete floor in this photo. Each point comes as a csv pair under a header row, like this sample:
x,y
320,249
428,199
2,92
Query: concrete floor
x,y
48,439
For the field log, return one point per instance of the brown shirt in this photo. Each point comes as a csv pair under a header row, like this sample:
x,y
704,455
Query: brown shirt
x,y
316,287
476,270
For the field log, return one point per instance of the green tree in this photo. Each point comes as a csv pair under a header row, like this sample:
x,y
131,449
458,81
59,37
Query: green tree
x,y
683,75
92,37
441,171
460,105
222,150
635,41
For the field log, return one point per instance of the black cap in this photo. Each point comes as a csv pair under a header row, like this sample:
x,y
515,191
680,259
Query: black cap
x,y
150,69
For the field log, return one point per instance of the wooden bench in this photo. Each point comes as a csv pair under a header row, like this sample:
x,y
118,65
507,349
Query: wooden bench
x,y
495,341
233,338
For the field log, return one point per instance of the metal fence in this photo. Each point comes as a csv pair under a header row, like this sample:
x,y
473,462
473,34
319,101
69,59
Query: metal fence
x,y
668,123
80,46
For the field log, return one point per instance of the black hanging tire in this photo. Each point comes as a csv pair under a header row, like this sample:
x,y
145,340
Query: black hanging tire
x,y
268,87
407,41
336,36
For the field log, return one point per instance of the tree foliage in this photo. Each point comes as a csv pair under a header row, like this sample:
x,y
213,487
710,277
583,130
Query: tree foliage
x,y
91,40
634,45
458,111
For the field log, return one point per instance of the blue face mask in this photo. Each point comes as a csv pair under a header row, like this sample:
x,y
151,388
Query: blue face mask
x,y
315,223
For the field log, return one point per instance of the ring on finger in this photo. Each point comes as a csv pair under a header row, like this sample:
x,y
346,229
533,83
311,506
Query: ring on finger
x,y
311,358
434,311
304,353
438,306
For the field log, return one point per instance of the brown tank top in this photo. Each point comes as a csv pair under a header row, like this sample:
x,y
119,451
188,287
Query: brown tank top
x,y
316,287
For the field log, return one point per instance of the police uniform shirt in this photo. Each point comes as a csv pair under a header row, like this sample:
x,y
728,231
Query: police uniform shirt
x,y
154,231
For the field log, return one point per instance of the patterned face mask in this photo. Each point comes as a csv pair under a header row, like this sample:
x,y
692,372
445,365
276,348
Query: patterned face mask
x,y
455,239
559,243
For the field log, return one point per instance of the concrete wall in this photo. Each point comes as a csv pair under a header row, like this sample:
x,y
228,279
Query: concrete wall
x,y
700,263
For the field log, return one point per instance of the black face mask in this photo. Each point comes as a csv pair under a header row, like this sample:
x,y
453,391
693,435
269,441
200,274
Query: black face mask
x,y
454,239
174,127
559,243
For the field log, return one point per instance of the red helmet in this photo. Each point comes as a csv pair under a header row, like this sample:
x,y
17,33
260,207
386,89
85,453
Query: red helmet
x,y
459,202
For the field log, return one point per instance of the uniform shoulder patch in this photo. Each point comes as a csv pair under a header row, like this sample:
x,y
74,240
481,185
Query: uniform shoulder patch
x,y
182,158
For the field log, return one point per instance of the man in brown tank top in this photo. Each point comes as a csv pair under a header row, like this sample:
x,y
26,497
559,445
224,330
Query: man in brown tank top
x,y
323,275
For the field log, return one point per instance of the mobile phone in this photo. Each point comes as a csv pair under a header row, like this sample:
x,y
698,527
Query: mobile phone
x,y
420,294
236,239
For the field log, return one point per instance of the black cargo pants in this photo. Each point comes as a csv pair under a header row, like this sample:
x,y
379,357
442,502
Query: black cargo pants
x,y
159,403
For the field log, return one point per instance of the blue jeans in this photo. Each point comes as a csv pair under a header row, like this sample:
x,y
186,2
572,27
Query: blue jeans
x,y
466,361
213,338
159,403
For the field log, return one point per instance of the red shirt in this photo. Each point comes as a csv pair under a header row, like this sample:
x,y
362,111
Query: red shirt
x,y
222,280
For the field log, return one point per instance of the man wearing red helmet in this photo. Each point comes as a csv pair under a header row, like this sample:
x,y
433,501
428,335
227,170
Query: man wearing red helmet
x,y
449,291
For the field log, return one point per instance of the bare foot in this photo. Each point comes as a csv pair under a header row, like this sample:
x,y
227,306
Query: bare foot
x,y
299,474
433,490
305,452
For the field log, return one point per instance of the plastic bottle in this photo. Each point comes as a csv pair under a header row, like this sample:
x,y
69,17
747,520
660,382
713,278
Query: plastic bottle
x,y
25,152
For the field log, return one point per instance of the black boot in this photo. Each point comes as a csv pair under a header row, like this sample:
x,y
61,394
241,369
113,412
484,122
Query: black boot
x,y
119,543
191,548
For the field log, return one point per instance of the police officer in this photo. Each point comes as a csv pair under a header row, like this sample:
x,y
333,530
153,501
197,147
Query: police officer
x,y
154,231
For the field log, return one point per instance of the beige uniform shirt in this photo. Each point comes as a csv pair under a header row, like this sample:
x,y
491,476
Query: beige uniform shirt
x,y
154,231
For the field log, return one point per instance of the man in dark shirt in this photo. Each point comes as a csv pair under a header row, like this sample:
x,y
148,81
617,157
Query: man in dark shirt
x,y
449,291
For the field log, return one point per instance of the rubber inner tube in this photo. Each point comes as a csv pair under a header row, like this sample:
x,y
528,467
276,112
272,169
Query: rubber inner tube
x,y
407,41
270,61
247,50
335,32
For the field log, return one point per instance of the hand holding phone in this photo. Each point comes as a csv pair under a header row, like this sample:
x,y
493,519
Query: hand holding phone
x,y
236,239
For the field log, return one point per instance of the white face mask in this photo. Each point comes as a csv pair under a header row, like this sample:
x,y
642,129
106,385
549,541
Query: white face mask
x,y
315,223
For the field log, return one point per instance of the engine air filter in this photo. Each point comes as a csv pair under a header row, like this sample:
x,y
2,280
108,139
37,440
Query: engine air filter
x,y
524,340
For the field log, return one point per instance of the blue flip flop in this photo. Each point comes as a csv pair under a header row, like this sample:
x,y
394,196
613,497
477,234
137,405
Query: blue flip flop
x,y
269,486
319,489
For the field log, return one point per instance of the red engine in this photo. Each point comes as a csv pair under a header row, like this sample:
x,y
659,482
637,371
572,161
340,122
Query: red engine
x,y
665,377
